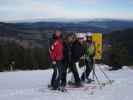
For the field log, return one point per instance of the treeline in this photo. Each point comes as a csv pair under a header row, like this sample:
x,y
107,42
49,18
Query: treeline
x,y
15,57
119,48
117,52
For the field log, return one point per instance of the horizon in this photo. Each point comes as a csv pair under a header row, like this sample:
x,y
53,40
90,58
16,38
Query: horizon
x,y
64,20
20,10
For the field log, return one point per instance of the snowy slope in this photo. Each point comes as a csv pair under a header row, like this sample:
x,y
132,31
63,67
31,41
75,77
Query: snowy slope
x,y
32,85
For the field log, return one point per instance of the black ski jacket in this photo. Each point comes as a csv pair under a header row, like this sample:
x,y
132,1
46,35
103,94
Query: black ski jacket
x,y
67,53
77,51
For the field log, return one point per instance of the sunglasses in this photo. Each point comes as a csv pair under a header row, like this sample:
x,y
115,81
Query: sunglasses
x,y
81,38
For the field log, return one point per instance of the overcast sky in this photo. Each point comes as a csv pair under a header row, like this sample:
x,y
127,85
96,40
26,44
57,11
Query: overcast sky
x,y
70,9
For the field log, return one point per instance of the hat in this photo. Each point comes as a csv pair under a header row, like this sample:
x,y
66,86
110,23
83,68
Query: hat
x,y
80,35
88,34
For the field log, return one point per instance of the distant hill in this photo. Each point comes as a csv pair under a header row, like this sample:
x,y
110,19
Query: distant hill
x,y
27,43
102,25
38,32
12,32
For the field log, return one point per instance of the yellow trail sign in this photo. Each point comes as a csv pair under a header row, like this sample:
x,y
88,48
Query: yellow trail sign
x,y
97,38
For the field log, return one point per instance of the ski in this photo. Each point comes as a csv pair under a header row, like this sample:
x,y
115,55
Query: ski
x,y
61,89
89,86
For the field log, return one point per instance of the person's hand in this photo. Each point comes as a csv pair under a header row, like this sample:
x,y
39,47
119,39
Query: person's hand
x,y
82,57
54,62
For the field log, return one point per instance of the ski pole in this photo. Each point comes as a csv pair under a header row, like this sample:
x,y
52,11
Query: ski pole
x,y
93,69
106,76
100,85
84,68
94,75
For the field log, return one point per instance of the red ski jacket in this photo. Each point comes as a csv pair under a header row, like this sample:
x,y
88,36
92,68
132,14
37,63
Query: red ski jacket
x,y
56,50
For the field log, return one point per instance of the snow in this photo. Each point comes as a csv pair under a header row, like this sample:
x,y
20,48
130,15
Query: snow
x,y
32,85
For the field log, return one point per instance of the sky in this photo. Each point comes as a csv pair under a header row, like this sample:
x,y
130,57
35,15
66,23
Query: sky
x,y
67,9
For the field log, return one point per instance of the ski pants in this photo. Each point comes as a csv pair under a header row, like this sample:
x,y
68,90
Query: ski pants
x,y
89,67
57,78
74,70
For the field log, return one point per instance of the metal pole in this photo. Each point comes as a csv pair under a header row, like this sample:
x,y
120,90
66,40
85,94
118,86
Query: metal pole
x,y
84,68
106,76
100,85
93,70
95,76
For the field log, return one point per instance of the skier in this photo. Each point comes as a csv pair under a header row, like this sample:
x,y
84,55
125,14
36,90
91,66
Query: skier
x,y
76,55
67,61
89,52
56,55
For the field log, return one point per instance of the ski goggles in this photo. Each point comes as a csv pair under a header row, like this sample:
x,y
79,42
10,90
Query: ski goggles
x,y
81,38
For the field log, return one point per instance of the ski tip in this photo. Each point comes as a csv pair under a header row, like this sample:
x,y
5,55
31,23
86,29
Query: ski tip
x,y
91,93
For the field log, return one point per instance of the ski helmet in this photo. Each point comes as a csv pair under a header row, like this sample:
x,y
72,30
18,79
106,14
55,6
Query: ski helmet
x,y
88,34
80,35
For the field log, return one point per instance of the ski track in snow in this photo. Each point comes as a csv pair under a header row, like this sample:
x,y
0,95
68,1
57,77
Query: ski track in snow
x,y
32,85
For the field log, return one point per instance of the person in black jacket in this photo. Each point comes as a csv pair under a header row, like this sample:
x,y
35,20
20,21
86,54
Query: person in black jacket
x,y
77,54
67,56
73,51
77,50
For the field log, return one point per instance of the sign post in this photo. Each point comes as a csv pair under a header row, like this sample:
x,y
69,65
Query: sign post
x,y
97,38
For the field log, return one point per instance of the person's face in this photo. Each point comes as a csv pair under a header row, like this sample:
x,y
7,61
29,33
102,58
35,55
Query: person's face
x,y
73,38
58,33
70,39
81,40
89,38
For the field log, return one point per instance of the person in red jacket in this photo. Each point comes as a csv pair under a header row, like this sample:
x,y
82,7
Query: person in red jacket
x,y
56,55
